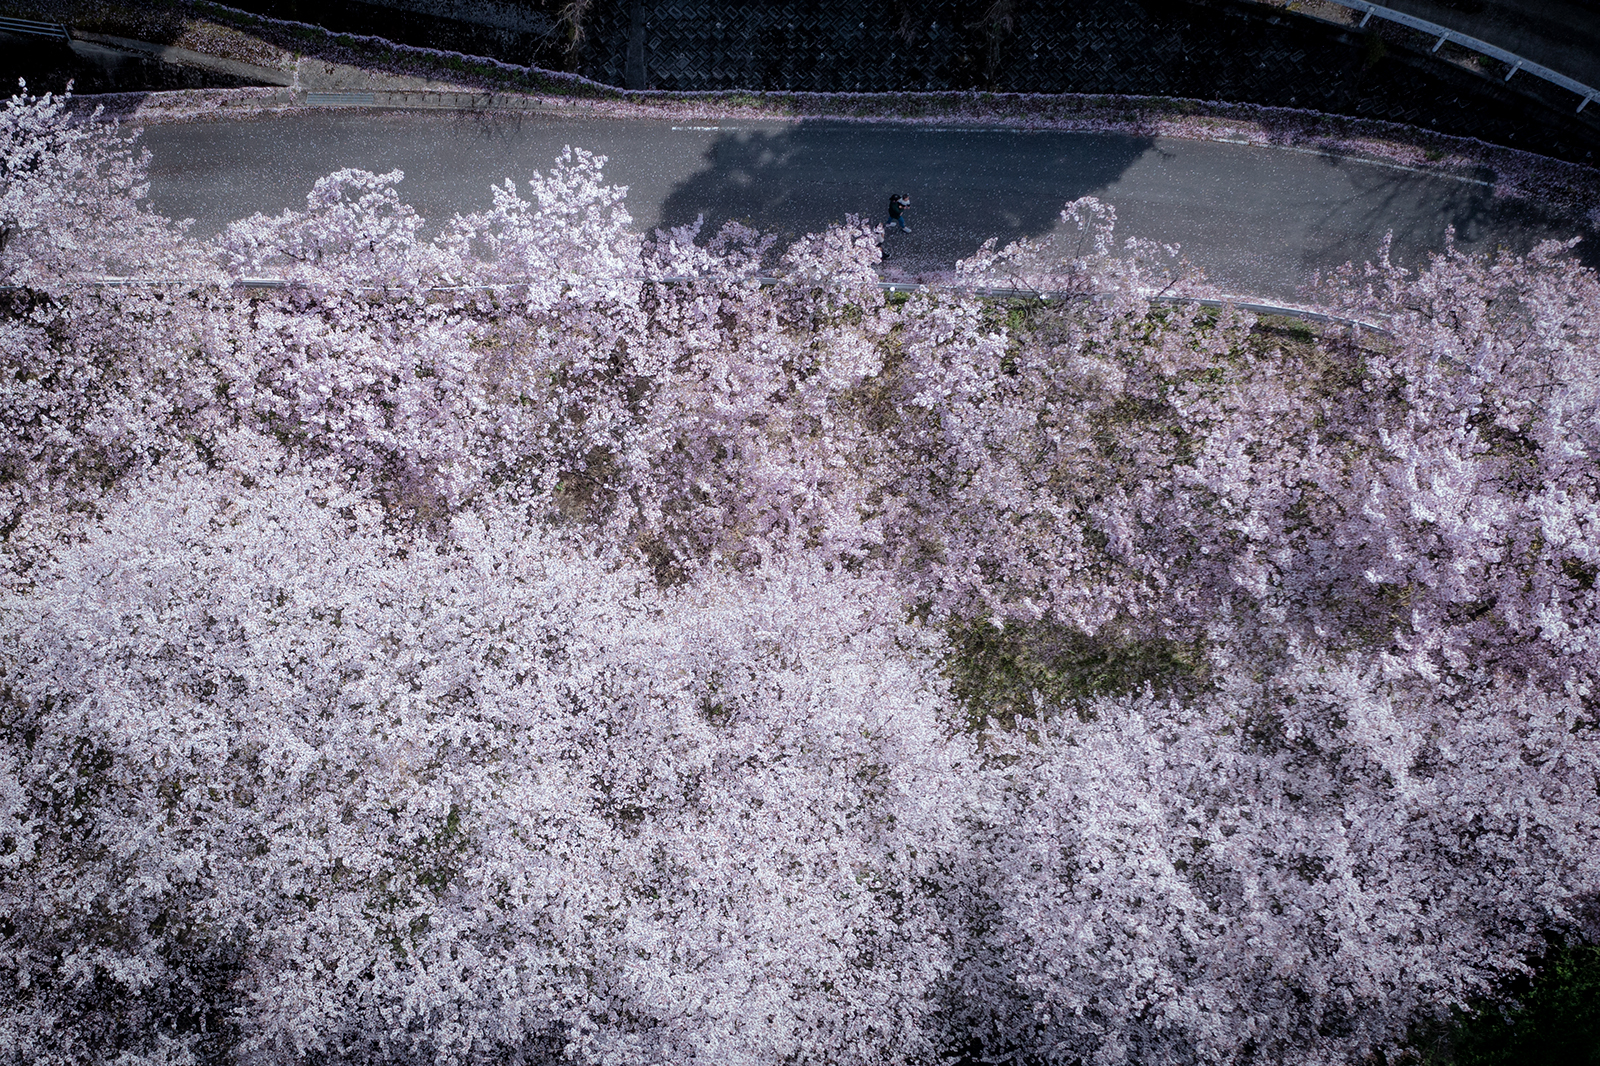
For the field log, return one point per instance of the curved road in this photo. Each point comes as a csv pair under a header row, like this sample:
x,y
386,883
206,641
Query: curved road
x,y
1258,220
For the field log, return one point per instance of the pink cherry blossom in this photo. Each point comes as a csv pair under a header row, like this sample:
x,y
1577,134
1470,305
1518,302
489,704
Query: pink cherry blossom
x,y
521,638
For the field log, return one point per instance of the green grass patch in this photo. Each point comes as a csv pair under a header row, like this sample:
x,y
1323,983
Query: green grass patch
x,y
1551,1018
1024,672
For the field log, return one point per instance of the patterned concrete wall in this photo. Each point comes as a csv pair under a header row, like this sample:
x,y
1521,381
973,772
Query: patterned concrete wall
x,y
514,32
1209,49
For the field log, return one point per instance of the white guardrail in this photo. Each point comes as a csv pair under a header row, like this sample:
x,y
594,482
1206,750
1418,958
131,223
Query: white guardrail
x,y
1444,33
53,30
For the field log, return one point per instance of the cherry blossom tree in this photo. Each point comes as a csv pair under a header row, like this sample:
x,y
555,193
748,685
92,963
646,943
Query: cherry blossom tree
x,y
407,800
1399,731
1289,870
69,201
529,640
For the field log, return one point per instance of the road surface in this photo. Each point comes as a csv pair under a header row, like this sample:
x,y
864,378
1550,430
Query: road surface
x,y
1257,220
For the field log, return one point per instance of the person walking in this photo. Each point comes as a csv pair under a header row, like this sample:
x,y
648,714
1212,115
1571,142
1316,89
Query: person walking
x,y
898,202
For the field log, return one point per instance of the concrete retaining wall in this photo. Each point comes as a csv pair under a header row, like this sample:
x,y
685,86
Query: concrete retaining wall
x,y
1207,49
1230,50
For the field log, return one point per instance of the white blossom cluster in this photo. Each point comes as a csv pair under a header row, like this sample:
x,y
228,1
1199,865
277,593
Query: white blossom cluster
x,y
393,671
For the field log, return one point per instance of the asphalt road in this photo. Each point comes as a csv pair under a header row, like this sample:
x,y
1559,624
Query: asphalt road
x,y
1257,220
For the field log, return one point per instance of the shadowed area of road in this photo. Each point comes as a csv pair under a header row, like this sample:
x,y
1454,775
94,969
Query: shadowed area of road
x,y
965,185
1259,221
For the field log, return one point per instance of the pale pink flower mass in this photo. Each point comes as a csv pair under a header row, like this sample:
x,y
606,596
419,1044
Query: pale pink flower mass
x,y
400,669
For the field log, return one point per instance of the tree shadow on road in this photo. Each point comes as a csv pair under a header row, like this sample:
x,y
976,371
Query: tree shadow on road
x,y
1417,208
965,186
